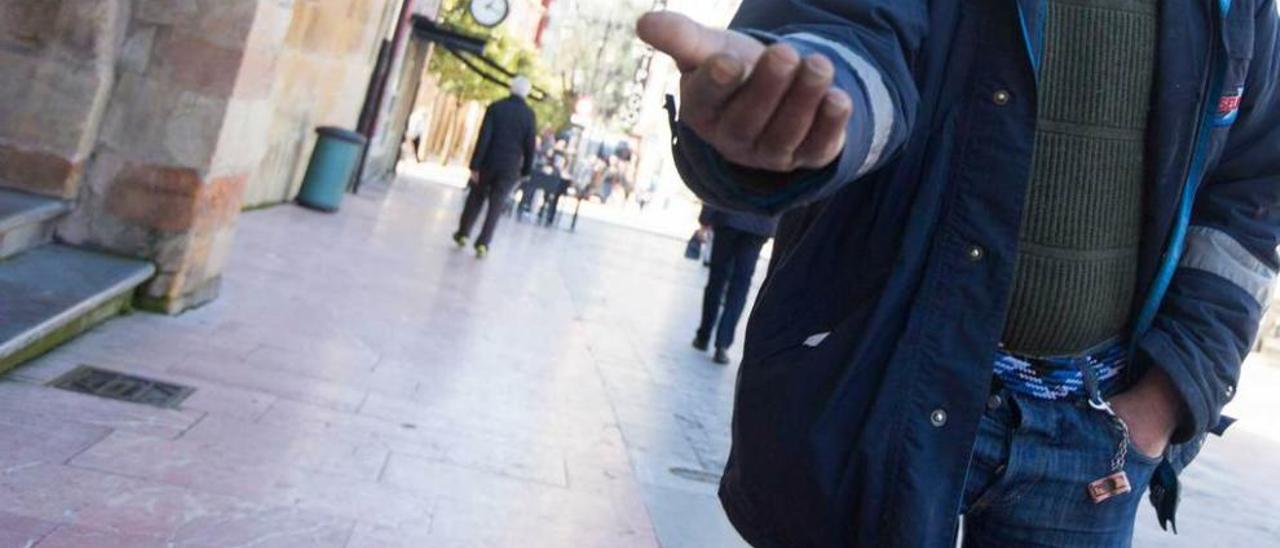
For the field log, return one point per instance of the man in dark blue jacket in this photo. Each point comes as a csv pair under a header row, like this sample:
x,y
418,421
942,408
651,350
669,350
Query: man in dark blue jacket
x,y
1034,241
735,251
503,156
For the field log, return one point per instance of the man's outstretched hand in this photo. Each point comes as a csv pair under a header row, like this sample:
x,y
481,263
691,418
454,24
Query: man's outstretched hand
x,y
760,107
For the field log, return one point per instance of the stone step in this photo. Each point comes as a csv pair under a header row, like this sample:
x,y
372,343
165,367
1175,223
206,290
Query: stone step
x,y
53,293
26,221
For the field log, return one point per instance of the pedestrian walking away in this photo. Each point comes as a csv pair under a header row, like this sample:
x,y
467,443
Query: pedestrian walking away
x,y
735,250
1026,248
503,156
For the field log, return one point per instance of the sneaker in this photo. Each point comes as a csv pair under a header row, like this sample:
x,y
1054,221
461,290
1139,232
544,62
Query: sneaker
x,y
481,251
722,357
460,240
701,344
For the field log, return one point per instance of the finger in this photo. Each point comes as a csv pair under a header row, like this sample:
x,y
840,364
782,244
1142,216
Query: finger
x,y
749,111
705,91
776,148
690,43
826,138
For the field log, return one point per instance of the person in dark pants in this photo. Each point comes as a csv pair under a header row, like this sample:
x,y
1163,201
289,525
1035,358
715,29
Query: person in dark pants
x,y
734,253
504,154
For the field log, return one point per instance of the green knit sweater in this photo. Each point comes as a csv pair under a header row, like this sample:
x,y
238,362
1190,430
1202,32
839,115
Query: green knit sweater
x,y
1077,264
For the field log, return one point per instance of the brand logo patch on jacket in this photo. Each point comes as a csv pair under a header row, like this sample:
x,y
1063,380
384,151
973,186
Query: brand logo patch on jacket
x,y
1229,107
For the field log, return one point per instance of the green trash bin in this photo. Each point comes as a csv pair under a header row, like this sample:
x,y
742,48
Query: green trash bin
x,y
333,165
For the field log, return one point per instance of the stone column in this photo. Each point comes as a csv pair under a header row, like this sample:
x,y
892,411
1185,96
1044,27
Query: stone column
x,y
181,133
154,116
58,60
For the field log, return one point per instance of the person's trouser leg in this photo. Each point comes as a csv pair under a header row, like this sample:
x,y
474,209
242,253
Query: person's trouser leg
x,y
1028,479
552,208
553,204
527,193
498,192
746,253
721,267
476,196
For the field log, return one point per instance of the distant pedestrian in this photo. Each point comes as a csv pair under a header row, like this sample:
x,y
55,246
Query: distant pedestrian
x,y
504,155
735,250
413,135
559,185
547,177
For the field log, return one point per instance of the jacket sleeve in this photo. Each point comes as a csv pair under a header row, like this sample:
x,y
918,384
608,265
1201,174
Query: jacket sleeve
x,y
1209,318
706,216
483,142
871,43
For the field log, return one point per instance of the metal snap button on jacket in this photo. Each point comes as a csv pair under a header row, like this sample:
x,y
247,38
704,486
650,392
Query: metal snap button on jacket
x,y
976,253
938,418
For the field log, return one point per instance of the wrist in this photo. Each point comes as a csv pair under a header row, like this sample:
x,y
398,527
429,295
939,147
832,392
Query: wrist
x,y
1153,409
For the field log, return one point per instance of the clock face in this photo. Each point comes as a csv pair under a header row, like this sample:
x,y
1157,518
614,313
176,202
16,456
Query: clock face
x,y
490,13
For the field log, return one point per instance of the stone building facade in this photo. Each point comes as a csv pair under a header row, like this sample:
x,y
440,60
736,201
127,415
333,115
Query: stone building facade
x,y
159,121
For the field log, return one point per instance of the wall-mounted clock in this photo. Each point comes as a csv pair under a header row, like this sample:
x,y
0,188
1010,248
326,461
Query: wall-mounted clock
x,y
490,13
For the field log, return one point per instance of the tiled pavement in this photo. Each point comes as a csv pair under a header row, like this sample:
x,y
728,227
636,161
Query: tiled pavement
x,y
363,384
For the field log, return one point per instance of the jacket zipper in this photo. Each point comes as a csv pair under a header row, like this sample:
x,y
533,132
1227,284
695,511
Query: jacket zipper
x,y
1192,178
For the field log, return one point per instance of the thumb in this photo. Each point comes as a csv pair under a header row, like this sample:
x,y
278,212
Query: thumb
x,y
690,43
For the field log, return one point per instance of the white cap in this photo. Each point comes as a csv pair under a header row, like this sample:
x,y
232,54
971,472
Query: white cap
x,y
521,86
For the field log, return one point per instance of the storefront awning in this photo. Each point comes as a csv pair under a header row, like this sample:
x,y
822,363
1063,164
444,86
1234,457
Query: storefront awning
x,y
470,51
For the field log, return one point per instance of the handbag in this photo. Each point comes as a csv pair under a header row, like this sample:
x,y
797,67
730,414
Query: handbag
x,y
693,250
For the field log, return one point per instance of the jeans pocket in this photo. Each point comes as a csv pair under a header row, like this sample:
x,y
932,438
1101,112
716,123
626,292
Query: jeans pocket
x,y
1133,452
1116,431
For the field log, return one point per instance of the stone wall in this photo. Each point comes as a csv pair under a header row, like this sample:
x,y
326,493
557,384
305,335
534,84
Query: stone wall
x,y
195,115
169,113
58,61
322,75
162,119
172,158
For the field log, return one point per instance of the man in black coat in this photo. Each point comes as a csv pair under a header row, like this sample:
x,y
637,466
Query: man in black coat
x,y
503,156
735,250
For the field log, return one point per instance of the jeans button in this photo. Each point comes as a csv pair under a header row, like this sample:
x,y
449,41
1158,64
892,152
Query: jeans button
x,y
938,418
1001,98
994,402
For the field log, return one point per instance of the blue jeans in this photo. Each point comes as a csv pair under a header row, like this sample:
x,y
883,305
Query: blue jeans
x,y
734,255
1029,476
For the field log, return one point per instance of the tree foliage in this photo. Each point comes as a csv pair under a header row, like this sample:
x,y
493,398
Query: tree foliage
x,y
596,53
513,53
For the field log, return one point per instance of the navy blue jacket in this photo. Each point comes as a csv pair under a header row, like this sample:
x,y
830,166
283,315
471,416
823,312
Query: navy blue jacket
x,y
751,223
507,140
888,301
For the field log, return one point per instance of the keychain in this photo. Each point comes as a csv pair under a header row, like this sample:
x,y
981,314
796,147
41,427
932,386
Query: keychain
x,y
1117,483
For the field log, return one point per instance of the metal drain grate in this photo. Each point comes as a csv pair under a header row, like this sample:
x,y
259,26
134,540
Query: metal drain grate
x,y
696,475
119,386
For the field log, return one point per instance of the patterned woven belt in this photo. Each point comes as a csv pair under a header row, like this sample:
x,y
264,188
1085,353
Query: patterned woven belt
x,y
1061,378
